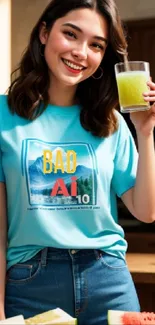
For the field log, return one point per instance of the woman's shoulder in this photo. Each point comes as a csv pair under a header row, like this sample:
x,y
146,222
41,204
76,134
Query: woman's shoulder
x,y
3,98
118,116
121,121
123,131
6,116
4,104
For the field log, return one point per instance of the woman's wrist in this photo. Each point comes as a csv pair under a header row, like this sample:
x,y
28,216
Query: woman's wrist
x,y
142,136
2,314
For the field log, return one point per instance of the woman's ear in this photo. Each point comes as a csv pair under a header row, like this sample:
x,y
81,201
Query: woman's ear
x,y
43,33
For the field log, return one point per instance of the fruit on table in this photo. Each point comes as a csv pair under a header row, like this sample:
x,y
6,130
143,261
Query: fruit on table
x,y
56,316
16,320
118,317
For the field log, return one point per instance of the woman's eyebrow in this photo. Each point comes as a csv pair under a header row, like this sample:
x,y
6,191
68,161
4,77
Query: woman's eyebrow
x,y
103,39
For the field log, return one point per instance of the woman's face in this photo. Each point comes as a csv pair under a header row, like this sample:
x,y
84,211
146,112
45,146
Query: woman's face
x,y
75,46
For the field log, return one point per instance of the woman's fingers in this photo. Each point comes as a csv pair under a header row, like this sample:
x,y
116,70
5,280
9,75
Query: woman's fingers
x,y
149,93
149,96
149,99
151,84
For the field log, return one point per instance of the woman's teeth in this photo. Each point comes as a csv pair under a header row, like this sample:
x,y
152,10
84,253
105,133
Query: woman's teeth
x,y
71,65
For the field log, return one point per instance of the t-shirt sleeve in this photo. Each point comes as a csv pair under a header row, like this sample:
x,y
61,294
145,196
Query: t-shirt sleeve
x,y
125,161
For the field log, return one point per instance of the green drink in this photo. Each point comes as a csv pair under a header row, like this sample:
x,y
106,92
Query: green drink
x,y
131,85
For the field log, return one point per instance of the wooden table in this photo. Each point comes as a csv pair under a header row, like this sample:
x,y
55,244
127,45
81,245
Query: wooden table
x,y
142,268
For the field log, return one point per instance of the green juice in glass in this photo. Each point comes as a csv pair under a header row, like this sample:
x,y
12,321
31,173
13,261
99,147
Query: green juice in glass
x,y
131,85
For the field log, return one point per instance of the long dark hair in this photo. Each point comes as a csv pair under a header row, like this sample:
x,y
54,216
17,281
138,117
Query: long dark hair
x,y
28,92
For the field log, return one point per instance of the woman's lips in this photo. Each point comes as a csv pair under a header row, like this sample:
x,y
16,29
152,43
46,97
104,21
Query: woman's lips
x,y
72,69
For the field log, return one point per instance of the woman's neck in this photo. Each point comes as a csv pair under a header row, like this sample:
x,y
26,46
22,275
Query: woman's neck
x,y
62,95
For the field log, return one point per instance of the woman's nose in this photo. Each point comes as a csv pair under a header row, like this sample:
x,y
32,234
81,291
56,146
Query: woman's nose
x,y
80,52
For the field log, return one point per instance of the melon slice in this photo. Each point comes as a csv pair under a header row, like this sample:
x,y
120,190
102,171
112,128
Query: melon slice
x,y
118,317
56,316
16,320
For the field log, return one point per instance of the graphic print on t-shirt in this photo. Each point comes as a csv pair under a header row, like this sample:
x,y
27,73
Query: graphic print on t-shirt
x,y
59,174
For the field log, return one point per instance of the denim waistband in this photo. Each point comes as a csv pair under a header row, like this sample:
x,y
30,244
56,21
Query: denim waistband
x,y
51,253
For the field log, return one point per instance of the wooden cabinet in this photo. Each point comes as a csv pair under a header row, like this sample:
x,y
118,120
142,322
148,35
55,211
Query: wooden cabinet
x,y
146,295
141,262
141,242
141,40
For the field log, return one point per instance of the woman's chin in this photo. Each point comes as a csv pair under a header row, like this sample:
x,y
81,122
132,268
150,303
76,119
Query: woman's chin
x,y
70,81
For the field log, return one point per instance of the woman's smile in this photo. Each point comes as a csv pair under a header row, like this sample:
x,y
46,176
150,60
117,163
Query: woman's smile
x,y
73,66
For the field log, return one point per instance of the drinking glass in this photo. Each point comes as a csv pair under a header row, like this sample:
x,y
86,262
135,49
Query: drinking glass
x,y
132,77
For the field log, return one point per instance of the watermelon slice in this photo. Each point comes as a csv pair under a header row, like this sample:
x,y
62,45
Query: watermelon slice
x,y
118,317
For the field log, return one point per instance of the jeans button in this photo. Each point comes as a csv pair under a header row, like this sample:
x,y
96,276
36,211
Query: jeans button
x,y
73,251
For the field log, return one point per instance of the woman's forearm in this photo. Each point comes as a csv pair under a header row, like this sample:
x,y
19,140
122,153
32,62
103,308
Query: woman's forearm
x,y
144,190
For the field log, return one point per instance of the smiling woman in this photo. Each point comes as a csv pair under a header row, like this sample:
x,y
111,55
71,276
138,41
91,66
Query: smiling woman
x,y
73,51
66,153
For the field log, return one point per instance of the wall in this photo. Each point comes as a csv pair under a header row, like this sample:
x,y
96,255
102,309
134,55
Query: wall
x,y
136,9
5,36
24,15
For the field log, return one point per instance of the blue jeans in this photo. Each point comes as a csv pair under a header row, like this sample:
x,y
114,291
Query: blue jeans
x,y
84,283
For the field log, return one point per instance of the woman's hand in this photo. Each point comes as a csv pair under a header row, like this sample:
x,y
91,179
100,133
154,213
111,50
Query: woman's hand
x,y
144,122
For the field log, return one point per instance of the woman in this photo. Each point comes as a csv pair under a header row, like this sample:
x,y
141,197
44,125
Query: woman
x,y
65,155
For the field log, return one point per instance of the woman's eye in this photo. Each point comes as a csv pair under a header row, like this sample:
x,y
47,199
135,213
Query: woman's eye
x,y
98,46
70,34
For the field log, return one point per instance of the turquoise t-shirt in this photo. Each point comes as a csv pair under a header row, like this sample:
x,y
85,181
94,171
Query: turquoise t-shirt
x,y
62,182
